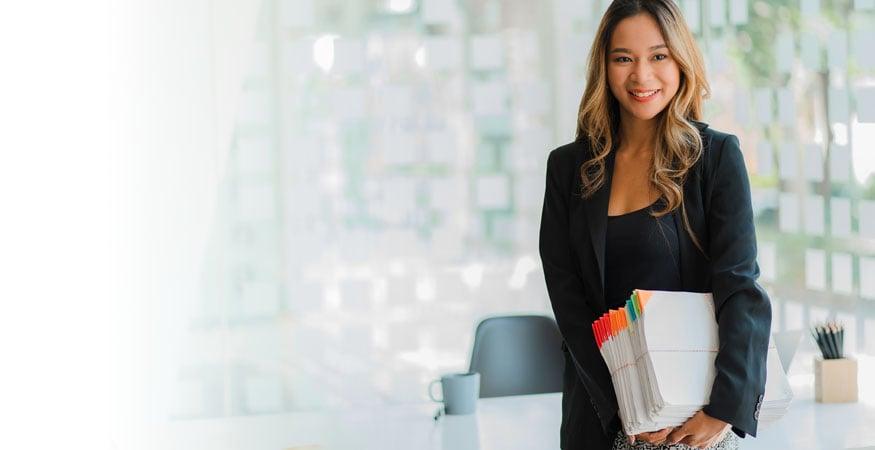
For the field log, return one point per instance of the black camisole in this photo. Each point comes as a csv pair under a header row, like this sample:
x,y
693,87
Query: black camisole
x,y
641,252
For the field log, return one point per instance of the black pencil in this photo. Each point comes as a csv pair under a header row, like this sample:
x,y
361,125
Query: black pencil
x,y
833,341
827,342
819,342
822,339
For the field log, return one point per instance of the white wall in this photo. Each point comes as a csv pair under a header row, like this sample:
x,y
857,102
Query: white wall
x,y
116,118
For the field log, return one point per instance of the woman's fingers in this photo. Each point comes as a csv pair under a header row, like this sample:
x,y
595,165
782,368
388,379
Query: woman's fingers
x,y
677,435
655,437
663,433
643,436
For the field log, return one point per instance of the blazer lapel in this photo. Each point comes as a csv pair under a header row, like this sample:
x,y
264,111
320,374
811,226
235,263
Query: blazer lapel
x,y
597,220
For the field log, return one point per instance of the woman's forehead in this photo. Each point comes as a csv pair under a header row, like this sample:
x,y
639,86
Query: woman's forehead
x,y
639,33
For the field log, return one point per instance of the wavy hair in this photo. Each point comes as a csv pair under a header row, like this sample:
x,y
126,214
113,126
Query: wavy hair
x,y
678,142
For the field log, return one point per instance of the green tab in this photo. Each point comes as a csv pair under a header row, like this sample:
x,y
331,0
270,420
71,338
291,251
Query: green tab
x,y
630,307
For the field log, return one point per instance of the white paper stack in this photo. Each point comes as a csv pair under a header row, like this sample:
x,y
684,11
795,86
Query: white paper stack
x,y
662,360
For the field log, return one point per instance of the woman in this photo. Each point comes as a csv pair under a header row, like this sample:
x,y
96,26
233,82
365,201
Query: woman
x,y
649,197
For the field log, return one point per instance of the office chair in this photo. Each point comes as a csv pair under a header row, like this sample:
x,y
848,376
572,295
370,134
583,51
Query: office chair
x,y
518,355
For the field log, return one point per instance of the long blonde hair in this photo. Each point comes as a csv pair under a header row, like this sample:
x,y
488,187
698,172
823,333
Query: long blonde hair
x,y
678,143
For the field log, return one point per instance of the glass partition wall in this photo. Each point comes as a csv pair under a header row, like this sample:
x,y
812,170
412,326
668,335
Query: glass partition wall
x,y
387,171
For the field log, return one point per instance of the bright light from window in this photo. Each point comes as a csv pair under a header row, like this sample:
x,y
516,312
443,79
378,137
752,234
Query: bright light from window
x,y
840,133
323,52
397,268
425,289
332,180
863,139
818,137
524,266
332,298
472,275
419,56
400,6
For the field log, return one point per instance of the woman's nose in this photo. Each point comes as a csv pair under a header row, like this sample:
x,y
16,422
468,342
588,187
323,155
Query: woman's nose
x,y
642,71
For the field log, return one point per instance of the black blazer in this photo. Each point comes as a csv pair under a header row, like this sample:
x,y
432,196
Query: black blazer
x,y
718,204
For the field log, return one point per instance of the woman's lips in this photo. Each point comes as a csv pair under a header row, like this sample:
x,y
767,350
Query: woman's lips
x,y
645,99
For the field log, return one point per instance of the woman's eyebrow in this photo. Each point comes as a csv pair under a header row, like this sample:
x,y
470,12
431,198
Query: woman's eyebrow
x,y
626,50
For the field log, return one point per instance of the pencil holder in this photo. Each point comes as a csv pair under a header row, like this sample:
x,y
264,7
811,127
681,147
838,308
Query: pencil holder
x,y
835,380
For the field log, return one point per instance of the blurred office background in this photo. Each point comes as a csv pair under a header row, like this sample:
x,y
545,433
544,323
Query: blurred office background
x,y
386,174
337,191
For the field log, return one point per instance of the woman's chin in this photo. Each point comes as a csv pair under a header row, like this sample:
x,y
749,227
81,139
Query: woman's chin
x,y
642,111
644,115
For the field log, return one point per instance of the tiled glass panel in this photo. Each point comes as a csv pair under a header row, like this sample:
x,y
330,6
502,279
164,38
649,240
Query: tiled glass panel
x,y
384,186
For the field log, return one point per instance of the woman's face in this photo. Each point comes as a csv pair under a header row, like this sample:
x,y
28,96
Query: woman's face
x,y
639,63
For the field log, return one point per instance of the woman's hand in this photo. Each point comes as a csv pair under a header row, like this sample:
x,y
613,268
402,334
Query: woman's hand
x,y
653,437
699,431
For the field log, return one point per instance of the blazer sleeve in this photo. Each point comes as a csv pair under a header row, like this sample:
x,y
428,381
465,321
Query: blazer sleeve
x,y
564,282
744,314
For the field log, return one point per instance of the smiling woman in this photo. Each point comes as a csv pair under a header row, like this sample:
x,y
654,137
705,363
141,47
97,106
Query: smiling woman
x,y
642,47
642,166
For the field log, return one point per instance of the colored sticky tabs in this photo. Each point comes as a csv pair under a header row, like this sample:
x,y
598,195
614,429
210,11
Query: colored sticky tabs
x,y
662,363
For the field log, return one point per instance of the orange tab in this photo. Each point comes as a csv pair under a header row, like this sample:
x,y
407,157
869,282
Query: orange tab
x,y
643,297
610,323
619,317
618,326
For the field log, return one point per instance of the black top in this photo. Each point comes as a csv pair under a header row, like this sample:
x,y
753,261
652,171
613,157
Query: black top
x,y
641,252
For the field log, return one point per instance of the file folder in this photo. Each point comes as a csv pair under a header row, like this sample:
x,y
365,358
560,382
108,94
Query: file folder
x,y
660,350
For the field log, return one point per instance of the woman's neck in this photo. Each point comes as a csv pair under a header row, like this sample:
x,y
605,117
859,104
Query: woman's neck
x,y
637,135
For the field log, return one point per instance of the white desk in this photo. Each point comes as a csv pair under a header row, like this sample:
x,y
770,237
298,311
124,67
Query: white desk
x,y
508,423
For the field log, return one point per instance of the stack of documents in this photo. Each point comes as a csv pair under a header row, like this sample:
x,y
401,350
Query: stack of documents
x,y
662,360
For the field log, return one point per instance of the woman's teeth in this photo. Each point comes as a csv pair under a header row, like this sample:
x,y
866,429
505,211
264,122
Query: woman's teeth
x,y
645,93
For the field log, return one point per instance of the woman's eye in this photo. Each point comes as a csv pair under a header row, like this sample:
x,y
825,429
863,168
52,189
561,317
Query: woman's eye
x,y
660,57
623,59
